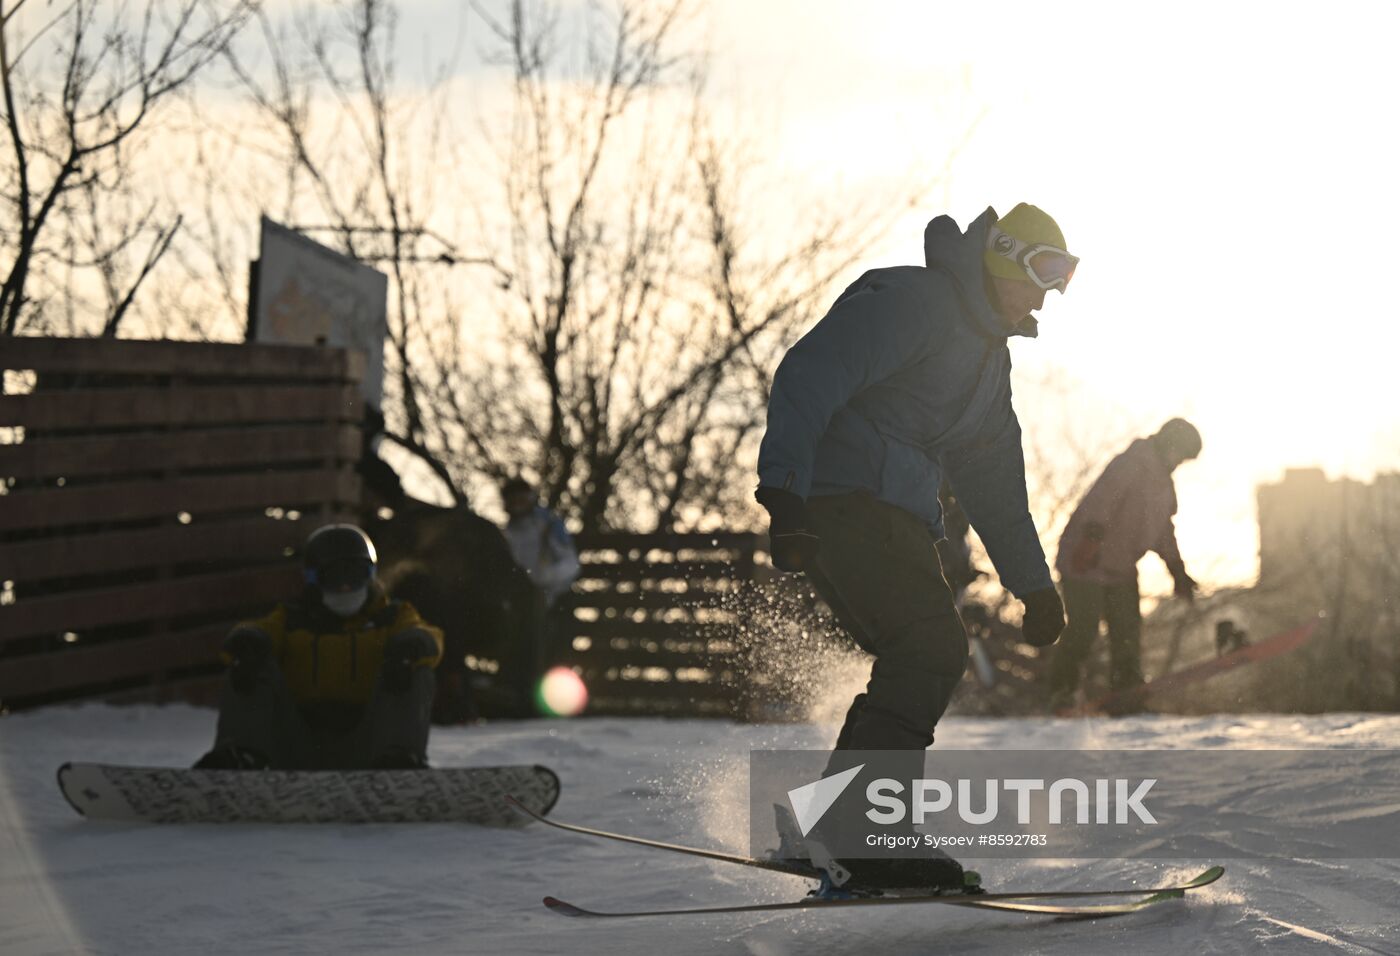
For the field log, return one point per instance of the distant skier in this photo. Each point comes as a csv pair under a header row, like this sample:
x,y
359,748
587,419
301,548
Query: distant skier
x,y
906,380
544,549
1126,513
340,678
539,541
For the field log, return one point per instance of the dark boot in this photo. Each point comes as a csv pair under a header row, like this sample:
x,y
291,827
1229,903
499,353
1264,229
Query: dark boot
x,y
927,875
919,870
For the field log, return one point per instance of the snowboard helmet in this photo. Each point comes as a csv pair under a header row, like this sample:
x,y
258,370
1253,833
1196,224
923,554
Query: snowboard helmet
x,y
1026,245
1180,438
339,557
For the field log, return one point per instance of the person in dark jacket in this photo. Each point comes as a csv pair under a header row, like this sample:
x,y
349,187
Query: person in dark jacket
x,y
340,678
1126,513
906,381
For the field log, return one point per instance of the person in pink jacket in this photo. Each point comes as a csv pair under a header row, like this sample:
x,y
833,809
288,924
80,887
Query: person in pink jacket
x,y
1126,513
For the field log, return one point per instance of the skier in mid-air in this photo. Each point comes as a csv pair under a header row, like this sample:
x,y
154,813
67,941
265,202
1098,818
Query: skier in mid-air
x,y
906,380
340,678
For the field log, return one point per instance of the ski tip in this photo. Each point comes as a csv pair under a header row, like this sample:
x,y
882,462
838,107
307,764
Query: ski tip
x,y
562,908
1208,877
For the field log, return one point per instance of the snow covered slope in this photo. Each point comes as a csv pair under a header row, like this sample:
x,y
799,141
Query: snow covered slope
x,y
70,886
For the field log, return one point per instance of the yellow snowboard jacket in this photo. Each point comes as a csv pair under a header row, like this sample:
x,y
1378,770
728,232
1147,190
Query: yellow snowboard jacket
x,y
327,659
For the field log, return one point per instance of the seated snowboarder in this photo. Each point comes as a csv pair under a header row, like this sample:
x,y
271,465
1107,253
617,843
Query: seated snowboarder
x,y
340,678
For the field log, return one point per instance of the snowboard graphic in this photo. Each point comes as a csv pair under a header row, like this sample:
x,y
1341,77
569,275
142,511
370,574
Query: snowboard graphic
x,y
176,795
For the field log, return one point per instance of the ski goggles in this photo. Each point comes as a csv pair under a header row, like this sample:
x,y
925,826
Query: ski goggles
x,y
1049,267
340,575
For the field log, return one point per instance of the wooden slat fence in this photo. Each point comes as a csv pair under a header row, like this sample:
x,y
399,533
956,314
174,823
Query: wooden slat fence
x,y
652,623
151,494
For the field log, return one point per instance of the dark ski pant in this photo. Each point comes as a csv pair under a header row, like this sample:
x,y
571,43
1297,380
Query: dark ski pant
x,y
529,655
1086,604
879,571
268,720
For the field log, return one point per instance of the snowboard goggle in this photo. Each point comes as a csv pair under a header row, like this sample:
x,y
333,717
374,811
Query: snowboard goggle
x,y
1049,267
341,575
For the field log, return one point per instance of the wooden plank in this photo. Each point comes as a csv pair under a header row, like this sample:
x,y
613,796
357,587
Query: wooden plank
x,y
661,571
689,706
246,539
615,541
663,705
699,638
655,602
120,501
163,357
124,454
598,681
613,671
689,632
33,675
600,687
133,603
603,659
87,409
719,708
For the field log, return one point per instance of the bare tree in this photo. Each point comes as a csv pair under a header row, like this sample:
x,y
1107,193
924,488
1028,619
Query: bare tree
x,y
613,330
80,80
646,314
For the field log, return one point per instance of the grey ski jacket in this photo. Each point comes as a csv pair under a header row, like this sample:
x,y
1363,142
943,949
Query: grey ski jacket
x,y
905,380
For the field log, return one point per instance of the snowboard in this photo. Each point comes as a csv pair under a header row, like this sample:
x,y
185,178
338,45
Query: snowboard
x,y
177,795
1268,648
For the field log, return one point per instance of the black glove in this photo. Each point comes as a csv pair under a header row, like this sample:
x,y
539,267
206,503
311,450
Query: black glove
x,y
402,653
248,649
1184,585
793,544
1044,618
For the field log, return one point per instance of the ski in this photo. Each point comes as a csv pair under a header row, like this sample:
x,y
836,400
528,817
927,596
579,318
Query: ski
x,y
1002,902
790,867
1014,902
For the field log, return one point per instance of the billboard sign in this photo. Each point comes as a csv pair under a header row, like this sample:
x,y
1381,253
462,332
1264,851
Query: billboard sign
x,y
307,294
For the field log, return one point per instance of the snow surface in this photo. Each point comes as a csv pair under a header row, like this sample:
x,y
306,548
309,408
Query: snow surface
x,y
70,886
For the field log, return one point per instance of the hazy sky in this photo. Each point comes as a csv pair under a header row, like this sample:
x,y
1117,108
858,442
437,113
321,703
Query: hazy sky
x,y
1225,171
